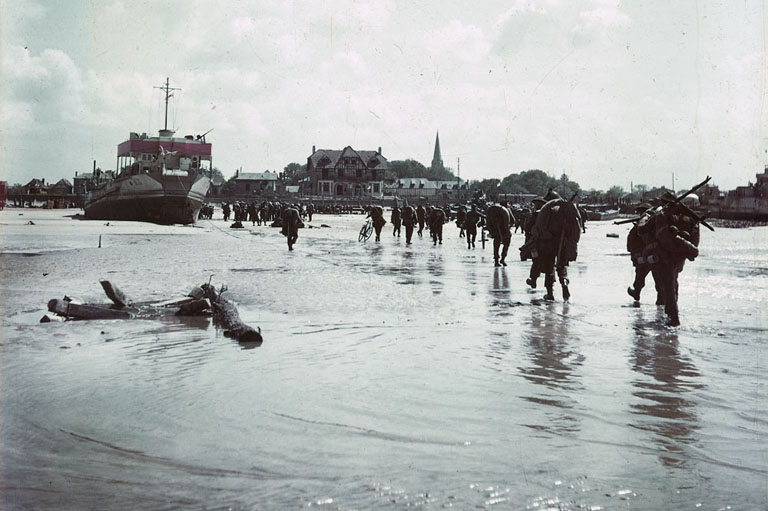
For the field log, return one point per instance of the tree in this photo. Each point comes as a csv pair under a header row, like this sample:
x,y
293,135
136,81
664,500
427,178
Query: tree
x,y
613,194
217,176
401,169
292,171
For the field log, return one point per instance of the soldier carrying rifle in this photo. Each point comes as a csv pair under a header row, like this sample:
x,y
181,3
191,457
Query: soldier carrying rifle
x,y
662,239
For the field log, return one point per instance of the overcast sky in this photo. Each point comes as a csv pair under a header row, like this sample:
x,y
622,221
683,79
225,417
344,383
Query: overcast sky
x,y
608,92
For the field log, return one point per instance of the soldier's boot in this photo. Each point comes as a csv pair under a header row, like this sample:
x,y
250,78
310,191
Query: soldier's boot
x,y
502,262
659,299
531,282
549,282
566,292
496,261
634,293
674,320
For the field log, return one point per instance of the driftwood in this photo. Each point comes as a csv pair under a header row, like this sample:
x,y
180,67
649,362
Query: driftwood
x,y
201,300
226,316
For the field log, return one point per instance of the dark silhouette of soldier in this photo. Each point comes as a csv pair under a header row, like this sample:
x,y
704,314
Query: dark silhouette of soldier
x,y
528,250
642,266
310,211
461,216
291,221
396,221
409,219
421,215
436,221
670,236
472,220
377,215
497,220
556,234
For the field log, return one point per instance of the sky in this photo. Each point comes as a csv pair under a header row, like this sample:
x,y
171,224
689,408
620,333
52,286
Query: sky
x,y
605,91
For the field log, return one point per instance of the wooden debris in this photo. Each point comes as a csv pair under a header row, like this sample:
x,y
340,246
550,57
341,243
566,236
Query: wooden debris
x,y
114,294
82,311
226,316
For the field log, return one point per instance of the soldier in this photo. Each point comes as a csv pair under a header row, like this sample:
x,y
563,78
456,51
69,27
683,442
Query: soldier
x,y
461,216
556,235
436,221
409,219
528,250
670,234
376,213
395,219
472,220
291,222
225,209
635,248
498,225
421,215
310,211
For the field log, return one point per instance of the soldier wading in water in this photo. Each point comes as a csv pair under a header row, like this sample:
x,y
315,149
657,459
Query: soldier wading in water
x,y
556,236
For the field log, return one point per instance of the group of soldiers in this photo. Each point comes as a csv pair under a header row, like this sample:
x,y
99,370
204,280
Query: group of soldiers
x,y
265,212
665,234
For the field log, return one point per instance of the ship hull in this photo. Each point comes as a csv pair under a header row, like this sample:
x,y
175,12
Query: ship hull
x,y
161,199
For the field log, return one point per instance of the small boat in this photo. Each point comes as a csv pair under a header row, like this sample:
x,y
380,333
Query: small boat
x,y
162,179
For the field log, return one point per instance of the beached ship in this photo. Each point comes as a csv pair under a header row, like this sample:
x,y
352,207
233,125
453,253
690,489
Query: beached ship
x,y
162,179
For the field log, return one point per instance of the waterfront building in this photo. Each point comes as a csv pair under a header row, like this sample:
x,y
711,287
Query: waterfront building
x,y
345,173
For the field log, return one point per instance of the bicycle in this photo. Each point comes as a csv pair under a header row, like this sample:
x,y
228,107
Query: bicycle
x,y
366,230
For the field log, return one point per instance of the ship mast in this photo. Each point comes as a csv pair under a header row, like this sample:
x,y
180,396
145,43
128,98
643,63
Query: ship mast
x,y
168,95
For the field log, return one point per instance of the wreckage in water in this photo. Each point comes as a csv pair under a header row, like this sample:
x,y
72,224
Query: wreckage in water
x,y
162,179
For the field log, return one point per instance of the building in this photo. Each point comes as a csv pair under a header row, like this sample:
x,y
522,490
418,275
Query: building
x,y
420,188
255,183
61,188
345,173
35,187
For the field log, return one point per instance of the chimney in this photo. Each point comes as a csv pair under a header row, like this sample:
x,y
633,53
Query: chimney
x,y
75,173
313,150
94,165
237,172
379,149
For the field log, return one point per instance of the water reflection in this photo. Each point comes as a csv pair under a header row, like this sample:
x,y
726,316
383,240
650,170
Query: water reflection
x,y
670,416
500,292
436,269
553,368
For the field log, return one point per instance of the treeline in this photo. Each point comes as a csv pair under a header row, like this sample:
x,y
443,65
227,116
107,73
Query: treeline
x,y
535,181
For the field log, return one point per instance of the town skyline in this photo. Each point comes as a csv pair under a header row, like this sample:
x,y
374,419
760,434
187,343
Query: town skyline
x,y
602,91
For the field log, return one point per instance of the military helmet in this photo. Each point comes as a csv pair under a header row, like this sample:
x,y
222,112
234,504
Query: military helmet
x,y
551,195
642,208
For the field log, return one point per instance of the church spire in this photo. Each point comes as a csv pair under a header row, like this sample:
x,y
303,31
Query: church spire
x,y
437,159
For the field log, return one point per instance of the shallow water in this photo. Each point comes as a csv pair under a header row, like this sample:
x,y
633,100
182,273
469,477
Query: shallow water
x,y
390,377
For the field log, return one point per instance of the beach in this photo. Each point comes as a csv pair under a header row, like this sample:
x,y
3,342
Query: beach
x,y
390,376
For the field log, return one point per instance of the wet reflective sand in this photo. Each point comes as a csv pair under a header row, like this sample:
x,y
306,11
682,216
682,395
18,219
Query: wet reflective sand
x,y
390,377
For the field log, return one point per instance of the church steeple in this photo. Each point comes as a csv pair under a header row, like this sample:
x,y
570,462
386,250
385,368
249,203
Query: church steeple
x,y
437,159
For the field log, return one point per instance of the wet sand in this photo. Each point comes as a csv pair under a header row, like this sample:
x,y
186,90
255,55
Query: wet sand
x,y
390,376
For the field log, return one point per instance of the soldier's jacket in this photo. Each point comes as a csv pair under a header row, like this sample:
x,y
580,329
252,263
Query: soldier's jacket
x,y
409,215
558,219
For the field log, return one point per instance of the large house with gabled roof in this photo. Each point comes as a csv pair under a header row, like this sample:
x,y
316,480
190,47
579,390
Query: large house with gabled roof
x,y
345,173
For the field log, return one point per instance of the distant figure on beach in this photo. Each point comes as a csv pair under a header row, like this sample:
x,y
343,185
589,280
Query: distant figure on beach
x,y
556,234
396,221
291,221
471,221
670,234
421,215
310,211
376,214
409,220
436,221
498,225
461,216
226,209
